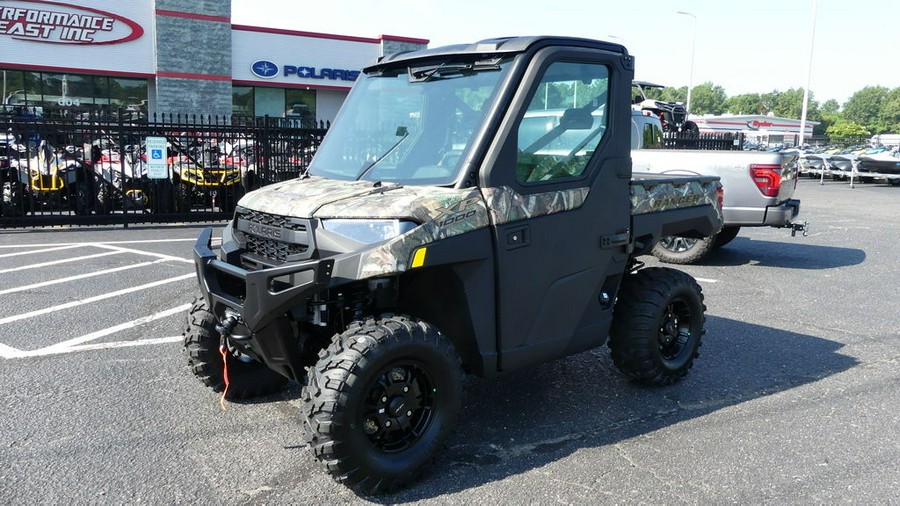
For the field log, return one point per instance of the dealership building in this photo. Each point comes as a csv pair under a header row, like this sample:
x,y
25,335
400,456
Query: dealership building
x,y
66,59
770,130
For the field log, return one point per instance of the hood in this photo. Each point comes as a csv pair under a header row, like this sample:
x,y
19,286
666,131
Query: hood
x,y
316,197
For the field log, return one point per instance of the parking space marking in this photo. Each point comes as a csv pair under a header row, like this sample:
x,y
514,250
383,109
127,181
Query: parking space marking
x,y
88,347
706,280
117,328
60,261
121,344
107,245
32,252
76,244
79,276
89,300
8,351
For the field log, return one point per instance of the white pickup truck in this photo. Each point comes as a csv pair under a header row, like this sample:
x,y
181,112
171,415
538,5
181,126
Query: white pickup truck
x,y
758,187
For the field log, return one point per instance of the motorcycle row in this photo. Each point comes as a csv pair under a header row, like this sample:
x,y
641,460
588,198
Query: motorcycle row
x,y
99,177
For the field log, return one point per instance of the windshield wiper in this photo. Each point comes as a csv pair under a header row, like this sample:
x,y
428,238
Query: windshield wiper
x,y
403,133
425,74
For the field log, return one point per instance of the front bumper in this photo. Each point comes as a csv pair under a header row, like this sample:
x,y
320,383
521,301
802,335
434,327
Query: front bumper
x,y
258,297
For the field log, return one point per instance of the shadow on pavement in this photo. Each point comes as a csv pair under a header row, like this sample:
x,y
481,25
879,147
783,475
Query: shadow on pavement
x,y
535,417
790,255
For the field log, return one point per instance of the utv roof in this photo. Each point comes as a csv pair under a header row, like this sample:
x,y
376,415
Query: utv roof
x,y
500,46
645,84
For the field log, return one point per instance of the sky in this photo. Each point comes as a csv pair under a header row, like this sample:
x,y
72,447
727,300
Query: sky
x,y
754,46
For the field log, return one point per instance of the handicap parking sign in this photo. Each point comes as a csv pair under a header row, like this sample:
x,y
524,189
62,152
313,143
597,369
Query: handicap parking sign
x,y
156,163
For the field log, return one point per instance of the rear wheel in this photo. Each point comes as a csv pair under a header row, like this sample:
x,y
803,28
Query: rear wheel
x,y
682,250
657,325
691,129
380,401
247,377
725,236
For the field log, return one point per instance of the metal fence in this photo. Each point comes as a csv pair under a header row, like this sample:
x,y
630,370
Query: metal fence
x,y
89,171
714,141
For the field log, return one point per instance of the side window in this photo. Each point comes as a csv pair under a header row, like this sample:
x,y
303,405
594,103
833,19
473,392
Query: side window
x,y
564,123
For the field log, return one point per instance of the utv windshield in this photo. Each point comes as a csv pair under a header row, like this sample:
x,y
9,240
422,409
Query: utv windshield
x,y
410,125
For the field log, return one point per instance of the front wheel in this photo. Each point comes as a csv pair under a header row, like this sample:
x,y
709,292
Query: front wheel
x,y
247,377
657,325
682,250
380,401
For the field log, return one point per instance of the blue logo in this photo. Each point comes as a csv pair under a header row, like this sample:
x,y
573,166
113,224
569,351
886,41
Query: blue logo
x,y
264,69
156,154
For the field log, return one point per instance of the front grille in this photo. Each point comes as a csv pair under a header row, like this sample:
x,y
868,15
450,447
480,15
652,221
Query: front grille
x,y
274,238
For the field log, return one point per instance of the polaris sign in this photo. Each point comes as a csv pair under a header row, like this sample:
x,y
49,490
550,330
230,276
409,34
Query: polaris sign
x,y
266,70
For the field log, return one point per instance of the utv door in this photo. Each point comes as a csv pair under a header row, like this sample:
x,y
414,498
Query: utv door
x,y
558,192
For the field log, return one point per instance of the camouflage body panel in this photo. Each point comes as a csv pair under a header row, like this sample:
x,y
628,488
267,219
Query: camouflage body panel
x,y
300,198
507,206
445,212
457,216
442,213
651,196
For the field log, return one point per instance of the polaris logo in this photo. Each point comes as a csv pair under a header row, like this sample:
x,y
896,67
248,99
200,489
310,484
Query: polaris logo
x,y
264,69
264,230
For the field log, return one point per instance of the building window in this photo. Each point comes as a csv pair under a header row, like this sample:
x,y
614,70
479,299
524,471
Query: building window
x,y
242,101
73,96
294,104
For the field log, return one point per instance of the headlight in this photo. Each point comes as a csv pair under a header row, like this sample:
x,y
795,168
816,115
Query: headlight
x,y
368,231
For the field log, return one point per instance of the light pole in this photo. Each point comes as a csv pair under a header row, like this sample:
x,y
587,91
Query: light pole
x,y
693,47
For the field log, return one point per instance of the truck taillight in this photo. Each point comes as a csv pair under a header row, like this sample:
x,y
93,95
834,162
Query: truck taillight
x,y
720,196
767,178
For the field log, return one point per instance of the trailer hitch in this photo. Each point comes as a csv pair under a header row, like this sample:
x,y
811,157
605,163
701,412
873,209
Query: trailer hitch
x,y
797,227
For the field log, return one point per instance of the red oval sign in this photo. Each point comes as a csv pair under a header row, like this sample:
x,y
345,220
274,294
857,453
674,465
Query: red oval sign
x,y
60,23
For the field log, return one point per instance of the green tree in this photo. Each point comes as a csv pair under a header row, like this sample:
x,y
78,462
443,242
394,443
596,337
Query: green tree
x,y
708,98
845,129
830,106
865,106
748,103
789,104
889,113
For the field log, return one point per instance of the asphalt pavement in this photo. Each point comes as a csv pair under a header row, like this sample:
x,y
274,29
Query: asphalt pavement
x,y
793,399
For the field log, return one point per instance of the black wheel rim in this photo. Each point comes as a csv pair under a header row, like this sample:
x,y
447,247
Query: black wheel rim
x,y
399,407
675,332
677,244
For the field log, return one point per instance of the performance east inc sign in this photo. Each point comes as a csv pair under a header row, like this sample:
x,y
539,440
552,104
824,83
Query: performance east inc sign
x,y
61,23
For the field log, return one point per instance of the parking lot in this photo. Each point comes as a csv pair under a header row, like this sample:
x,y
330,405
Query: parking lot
x,y
793,399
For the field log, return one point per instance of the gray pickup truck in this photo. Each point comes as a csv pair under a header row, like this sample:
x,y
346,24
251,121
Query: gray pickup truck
x,y
758,187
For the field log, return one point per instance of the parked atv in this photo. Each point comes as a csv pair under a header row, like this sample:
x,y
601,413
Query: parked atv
x,y
204,173
13,176
672,115
61,179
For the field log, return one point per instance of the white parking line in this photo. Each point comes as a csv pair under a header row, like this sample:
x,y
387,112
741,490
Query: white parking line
x,y
706,280
89,347
79,276
89,300
117,328
140,252
89,243
32,252
8,351
61,261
